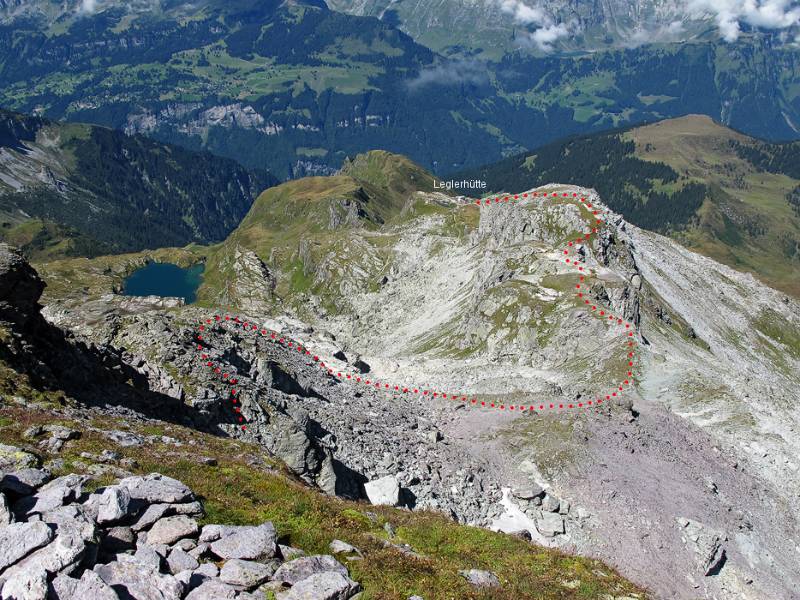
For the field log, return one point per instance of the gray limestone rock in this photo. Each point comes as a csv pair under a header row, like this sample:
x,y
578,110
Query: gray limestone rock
x,y
92,587
24,481
6,517
329,585
20,539
249,543
550,524
28,585
245,574
114,504
383,491
139,581
156,488
52,495
171,529
300,568
212,589
179,560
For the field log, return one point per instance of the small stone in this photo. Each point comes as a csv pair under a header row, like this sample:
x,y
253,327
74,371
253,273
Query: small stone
x,y
289,553
480,578
384,491
340,547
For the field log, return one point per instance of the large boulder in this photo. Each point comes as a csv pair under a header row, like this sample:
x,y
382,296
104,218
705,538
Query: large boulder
x,y
329,585
170,530
248,543
20,539
156,488
385,490
301,568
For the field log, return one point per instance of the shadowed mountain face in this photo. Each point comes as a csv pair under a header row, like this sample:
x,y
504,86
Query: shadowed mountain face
x,y
248,80
718,192
72,190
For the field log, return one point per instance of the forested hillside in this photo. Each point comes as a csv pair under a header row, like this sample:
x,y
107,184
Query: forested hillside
x,y
68,189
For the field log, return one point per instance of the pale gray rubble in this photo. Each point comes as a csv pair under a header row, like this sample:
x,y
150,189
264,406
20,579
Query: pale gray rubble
x,y
71,551
688,484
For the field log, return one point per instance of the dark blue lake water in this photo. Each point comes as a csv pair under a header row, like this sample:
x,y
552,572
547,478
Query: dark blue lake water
x,y
165,279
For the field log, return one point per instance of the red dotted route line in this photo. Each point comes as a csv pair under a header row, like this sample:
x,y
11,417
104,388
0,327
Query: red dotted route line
x,y
569,253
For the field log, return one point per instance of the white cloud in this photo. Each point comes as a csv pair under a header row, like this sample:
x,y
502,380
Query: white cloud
x,y
88,6
671,32
544,37
730,14
548,31
451,73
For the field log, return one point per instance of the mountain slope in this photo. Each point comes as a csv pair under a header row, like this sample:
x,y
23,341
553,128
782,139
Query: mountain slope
x,y
70,189
717,191
247,80
129,417
693,460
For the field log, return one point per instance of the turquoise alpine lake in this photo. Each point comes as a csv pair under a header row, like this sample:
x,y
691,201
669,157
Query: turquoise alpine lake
x,y
166,280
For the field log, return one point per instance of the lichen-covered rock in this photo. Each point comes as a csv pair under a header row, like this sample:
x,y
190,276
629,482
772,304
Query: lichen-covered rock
x,y
14,459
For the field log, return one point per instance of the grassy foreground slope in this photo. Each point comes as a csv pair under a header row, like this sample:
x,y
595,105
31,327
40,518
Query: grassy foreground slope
x,y
719,192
